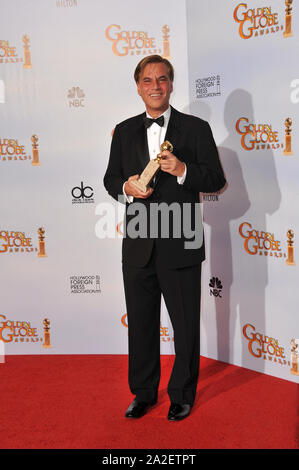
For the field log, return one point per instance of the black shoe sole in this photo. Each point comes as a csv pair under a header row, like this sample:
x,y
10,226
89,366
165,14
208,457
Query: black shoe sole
x,y
179,418
150,405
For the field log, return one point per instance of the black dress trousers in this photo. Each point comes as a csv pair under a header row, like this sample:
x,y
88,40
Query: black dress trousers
x,y
181,292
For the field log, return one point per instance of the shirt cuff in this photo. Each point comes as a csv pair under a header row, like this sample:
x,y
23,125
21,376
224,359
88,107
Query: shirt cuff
x,y
128,198
181,179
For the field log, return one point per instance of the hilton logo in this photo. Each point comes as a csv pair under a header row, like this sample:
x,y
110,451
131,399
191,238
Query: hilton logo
x,y
66,3
82,194
76,97
216,287
211,197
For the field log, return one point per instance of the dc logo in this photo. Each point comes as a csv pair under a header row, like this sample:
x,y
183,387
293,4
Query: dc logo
x,y
82,191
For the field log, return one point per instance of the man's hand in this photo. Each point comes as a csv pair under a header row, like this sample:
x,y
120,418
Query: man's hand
x,y
131,190
171,164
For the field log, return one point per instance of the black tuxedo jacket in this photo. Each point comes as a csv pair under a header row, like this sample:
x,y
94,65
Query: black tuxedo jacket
x,y
193,143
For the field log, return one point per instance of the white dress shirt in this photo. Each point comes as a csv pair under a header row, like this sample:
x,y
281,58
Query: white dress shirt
x,y
156,137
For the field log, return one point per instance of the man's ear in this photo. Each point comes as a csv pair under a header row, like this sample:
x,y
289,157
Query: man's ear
x,y
138,89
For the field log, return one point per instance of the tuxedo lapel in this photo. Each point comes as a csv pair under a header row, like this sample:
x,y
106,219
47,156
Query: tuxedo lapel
x,y
173,134
173,129
141,146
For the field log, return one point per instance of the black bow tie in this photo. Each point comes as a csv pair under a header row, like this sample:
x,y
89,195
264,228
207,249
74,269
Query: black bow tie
x,y
148,121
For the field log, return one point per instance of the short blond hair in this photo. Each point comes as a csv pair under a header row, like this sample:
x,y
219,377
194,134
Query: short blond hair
x,y
153,59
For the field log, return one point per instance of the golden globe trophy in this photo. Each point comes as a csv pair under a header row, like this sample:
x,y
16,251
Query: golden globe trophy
x,y
41,242
47,339
35,154
288,137
166,46
27,55
151,169
290,260
288,22
294,357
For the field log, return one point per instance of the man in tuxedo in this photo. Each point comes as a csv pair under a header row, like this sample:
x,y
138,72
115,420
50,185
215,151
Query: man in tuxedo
x,y
155,264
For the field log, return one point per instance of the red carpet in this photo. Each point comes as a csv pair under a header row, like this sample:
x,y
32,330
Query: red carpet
x,y
78,402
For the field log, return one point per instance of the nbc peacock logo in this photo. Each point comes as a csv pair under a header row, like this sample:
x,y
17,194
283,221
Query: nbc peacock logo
x,y
215,287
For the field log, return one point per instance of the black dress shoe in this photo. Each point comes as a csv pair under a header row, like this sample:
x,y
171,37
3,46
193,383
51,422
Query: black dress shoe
x,y
138,408
177,412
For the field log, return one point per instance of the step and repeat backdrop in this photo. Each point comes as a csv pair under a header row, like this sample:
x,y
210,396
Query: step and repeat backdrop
x,y
66,80
244,80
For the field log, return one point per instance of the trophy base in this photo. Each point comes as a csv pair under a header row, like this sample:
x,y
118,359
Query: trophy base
x,y
288,153
293,372
46,346
287,35
140,185
290,263
27,66
42,256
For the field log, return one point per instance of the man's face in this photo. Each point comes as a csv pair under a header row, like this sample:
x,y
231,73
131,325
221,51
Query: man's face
x,y
154,87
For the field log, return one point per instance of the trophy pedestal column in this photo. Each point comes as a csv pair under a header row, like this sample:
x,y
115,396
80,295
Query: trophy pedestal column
x,y
288,145
35,158
288,28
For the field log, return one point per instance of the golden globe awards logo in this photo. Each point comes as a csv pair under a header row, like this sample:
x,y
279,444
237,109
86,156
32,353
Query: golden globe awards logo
x,y
15,242
18,331
256,22
257,136
13,150
262,346
137,42
18,242
165,336
258,242
9,53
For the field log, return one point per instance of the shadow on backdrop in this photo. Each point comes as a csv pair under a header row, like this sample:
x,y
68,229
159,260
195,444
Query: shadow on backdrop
x,y
249,198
